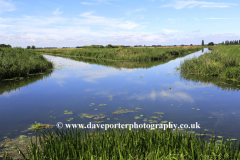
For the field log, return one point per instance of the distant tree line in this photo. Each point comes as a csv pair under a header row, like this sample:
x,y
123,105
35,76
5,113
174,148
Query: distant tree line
x,y
101,46
5,46
235,42
29,47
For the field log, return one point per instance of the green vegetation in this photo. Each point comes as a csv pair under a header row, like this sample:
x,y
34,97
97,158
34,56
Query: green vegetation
x,y
5,46
130,144
19,62
211,44
127,54
223,61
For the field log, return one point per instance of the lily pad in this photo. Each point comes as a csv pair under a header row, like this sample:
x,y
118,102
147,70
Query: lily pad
x,y
102,104
123,111
111,96
66,112
70,119
97,121
136,117
145,119
164,121
209,117
138,108
159,112
220,136
198,109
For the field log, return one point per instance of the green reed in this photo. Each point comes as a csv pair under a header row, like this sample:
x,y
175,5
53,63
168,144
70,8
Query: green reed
x,y
223,61
131,54
19,62
128,144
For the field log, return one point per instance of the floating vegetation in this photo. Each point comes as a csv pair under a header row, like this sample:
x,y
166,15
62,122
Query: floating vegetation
x,y
70,119
102,104
66,112
138,108
97,122
145,119
193,108
210,117
99,116
136,117
38,126
108,118
159,112
111,96
123,111
197,109
152,121
164,122
141,115
233,112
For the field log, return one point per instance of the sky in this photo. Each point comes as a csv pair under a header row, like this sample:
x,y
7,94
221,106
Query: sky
x,y
61,23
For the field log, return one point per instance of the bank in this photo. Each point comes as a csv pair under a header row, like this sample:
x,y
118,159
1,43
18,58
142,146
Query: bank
x,y
222,62
19,63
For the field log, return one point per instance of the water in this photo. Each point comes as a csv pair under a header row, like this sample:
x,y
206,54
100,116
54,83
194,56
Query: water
x,y
154,87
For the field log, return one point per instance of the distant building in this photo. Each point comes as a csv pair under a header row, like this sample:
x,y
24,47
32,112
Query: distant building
x,y
38,47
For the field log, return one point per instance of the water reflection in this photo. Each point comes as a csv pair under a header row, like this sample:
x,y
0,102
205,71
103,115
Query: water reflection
x,y
82,85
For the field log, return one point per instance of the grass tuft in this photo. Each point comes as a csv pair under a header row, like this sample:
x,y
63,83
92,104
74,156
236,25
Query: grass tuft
x,y
128,144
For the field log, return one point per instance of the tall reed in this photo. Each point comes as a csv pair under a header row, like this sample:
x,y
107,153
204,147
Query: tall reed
x,y
128,144
19,62
223,61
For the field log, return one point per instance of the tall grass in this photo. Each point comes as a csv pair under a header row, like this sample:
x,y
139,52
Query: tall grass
x,y
130,54
223,61
131,144
19,62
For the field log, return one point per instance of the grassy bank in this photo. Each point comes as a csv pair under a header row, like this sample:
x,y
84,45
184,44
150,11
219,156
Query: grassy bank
x,y
223,61
129,54
129,144
19,62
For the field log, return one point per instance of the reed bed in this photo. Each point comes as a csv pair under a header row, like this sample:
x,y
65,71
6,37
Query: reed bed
x,y
19,62
223,61
130,54
127,144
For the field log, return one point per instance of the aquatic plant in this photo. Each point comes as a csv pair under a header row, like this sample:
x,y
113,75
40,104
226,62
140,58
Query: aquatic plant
x,y
128,144
19,62
222,62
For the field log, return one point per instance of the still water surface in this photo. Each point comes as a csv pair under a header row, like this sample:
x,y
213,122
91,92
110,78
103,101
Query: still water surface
x,y
76,85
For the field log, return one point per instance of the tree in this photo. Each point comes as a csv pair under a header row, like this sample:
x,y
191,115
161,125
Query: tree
x,y
202,42
190,44
28,47
33,47
5,46
211,44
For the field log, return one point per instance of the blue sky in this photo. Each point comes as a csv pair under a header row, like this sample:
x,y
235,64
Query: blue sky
x,y
61,23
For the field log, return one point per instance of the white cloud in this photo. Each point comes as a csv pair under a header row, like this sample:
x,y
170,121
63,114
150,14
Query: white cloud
x,y
6,6
139,10
170,31
192,3
87,3
90,19
56,12
222,18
